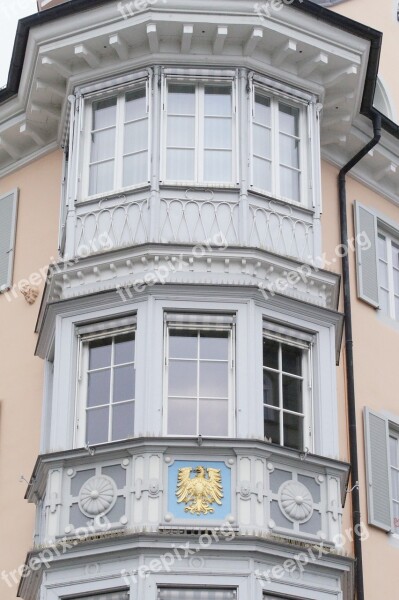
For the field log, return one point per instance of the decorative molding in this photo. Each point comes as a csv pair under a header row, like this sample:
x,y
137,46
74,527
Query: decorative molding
x,y
295,501
97,496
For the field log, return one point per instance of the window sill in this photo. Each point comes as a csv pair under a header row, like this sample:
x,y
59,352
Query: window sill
x,y
114,194
281,201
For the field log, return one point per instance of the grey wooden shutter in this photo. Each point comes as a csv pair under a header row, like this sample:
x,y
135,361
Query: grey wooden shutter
x,y
376,435
366,254
8,219
196,594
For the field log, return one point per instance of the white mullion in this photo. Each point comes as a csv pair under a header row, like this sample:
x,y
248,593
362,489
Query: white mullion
x,y
232,404
235,125
166,379
198,381
111,392
150,123
119,141
83,169
280,393
275,139
251,122
200,131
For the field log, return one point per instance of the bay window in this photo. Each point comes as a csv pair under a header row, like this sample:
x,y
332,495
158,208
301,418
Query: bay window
x,y
199,132
118,152
277,140
107,387
199,379
286,391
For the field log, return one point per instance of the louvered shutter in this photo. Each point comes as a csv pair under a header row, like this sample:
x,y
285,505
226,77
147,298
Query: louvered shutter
x,y
366,254
8,219
106,596
196,594
377,470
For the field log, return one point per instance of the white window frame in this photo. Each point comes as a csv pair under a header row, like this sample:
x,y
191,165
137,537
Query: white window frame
x,y
393,431
389,240
87,334
304,342
275,98
201,82
84,167
12,239
192,326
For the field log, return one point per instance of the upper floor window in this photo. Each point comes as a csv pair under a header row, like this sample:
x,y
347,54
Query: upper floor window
x,y
196,593
118,142
277,140
199,380
199,132
107,387
286,392
388,274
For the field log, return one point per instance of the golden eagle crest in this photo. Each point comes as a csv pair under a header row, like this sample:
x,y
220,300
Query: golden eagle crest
x,y
200,491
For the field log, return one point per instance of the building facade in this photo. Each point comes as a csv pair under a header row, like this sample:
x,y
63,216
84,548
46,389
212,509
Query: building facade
x,y
199,273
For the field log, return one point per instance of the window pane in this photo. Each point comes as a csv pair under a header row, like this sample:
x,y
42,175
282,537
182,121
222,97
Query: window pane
x,y
395,484
102,145
396,281
289,119
289,151
217,100
270,353
97,425
262,110
181,132
393,451
262,174
292,360
292,394
135,169
124,383
213,417
122,421
100,353
272,424
289,184
218,133
395,255
382,247
270,388
214,345
124,348
180,165
136,136
384,301
135,105
383,273
101,178
181,99
182,417
183,344
293,431
396,308
182,378
99,387
395,515
262,141
217,165
214,379
104,113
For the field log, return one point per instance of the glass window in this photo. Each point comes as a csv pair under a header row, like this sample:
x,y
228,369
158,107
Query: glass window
x,y
276,147
199,132
119,142
388,274
110,387
284,403
199,382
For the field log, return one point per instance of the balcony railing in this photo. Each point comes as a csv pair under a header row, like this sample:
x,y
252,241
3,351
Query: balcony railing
x,y
141,485
129,221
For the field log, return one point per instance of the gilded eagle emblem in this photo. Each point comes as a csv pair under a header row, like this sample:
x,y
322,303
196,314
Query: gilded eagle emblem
x,y
200,491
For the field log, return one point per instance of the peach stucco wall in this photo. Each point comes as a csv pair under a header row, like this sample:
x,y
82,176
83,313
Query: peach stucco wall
x,y
21,373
